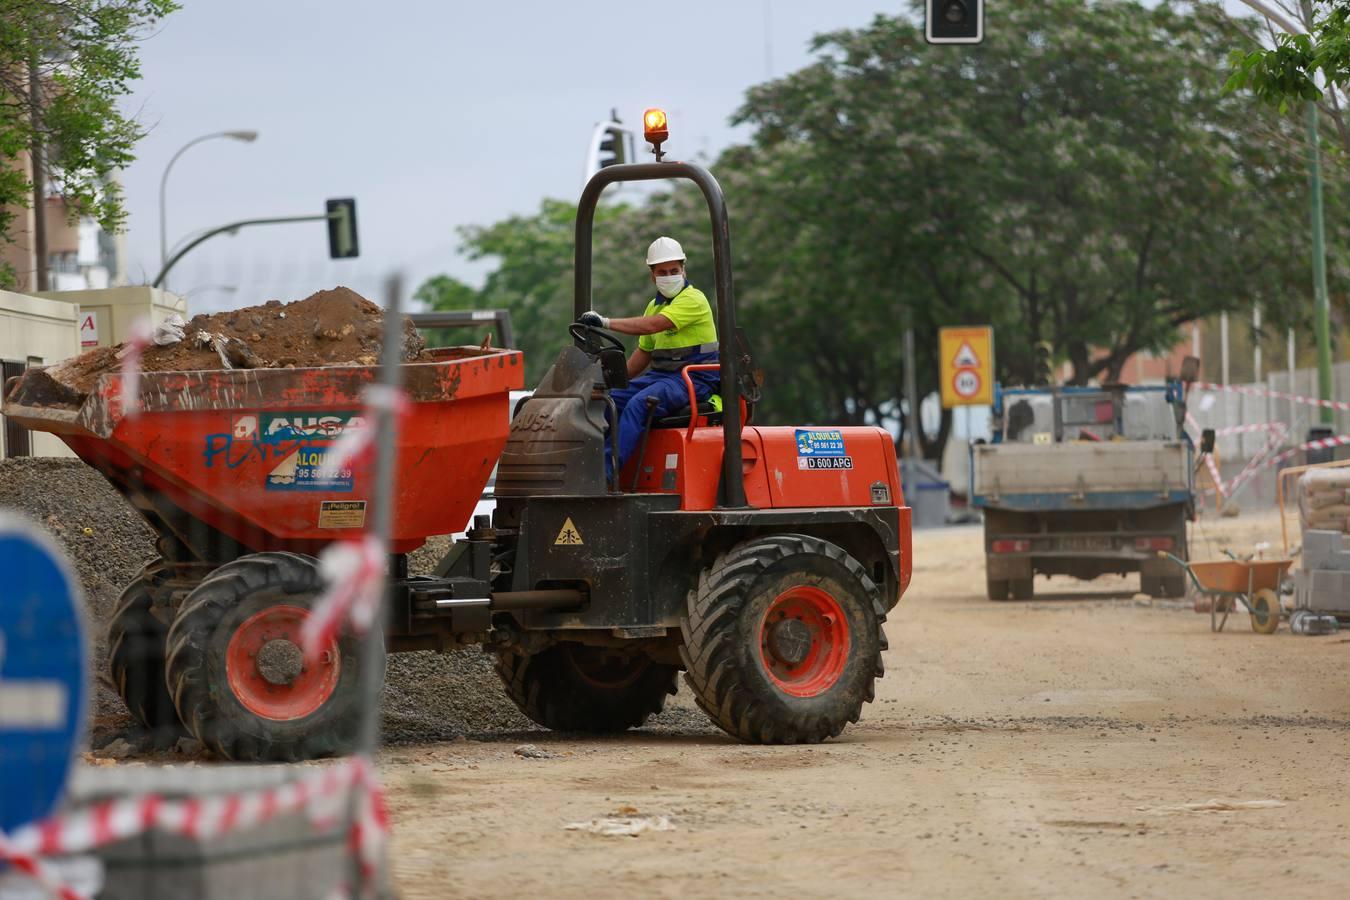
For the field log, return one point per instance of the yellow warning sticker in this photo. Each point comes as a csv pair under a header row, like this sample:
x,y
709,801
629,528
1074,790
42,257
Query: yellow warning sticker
x,y
568,536
342,514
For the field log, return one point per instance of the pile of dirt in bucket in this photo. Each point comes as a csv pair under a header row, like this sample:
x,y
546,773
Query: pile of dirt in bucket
x,y
329,328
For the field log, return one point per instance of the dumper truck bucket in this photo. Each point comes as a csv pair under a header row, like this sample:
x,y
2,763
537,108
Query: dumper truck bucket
x,y
238,455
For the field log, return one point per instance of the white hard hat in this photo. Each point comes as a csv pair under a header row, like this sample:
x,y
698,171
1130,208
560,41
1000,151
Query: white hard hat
x,y
664,249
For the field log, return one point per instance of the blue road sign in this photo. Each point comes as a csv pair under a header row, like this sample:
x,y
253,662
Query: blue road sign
x,y
43,673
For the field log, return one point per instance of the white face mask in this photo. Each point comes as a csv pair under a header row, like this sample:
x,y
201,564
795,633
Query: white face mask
x,y
669,285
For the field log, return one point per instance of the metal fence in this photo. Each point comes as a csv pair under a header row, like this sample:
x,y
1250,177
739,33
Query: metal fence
x,y
1239,413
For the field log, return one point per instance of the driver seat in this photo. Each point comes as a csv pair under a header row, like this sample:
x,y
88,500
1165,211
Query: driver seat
x,y
709,413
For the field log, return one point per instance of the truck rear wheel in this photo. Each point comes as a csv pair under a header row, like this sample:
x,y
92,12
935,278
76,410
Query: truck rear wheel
x,y
1022,588
783,640
997,588
136,650
238,677
574,687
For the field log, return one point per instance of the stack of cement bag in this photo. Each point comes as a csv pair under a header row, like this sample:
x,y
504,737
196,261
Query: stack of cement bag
x,y
1324,500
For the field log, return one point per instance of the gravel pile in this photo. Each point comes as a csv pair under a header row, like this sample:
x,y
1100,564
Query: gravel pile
x,y
106,541
427,696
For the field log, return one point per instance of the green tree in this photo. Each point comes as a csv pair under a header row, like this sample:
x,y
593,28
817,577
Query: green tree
x,y
1079,178
1284,75
443,292
534,274
81,55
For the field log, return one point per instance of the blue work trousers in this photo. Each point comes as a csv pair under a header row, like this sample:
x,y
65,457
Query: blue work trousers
x,y
671,394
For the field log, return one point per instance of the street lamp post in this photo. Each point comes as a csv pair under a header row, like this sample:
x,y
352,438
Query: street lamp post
x,y
246,136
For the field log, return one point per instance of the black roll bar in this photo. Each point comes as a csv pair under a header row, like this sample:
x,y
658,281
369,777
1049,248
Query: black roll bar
x,y
733,493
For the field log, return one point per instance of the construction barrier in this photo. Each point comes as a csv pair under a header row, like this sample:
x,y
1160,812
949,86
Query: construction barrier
x,y
320,795
1252,391
1264,460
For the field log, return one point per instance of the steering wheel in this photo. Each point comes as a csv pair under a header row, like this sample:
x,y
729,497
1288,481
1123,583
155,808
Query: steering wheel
x,y
588,337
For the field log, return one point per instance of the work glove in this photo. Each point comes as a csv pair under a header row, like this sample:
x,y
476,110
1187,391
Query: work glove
x,y
592,318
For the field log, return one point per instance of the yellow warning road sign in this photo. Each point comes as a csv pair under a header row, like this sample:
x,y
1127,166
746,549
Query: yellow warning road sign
x,y
568,536
966,355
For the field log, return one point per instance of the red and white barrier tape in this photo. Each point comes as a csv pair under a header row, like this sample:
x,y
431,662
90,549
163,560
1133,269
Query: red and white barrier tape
x,y
1321,444
1254,465
354,573
355,441
1276,433
139,338
354,569
1274,395
1249,429
1195,428
36,870
1257,464
320,794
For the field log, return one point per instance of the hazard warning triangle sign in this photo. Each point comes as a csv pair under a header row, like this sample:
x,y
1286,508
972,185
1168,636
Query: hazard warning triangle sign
x,y
568,535
965,357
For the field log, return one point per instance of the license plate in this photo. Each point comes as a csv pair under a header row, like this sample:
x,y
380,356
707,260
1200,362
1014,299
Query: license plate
x,y
824,462
1085,543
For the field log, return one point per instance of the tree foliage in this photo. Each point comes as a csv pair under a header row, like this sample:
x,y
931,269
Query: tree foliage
x,y
1080,178
83,53
534,274
1284,75
1287,72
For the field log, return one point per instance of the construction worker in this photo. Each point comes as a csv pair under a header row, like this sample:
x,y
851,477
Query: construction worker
x,y
676,330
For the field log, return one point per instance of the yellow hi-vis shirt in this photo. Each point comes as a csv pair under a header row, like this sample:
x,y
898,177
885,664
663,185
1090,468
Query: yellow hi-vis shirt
x,y
692,317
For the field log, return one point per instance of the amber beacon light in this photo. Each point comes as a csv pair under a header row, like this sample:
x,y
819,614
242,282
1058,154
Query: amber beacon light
x,y
655,128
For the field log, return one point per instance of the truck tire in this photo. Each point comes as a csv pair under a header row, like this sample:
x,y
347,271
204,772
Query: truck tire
x,y
997,588
572,687
136,650
764,680
1022,588
236,672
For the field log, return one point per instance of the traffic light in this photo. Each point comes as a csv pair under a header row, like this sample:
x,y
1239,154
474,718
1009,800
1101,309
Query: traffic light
x,y
611,144
1043,362
612,150
954,21
342,242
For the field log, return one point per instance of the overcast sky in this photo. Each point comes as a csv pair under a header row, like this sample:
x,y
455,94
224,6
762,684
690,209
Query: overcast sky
x,y
432,114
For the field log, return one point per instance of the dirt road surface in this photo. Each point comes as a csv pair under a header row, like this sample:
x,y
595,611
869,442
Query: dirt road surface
x,y
1020,750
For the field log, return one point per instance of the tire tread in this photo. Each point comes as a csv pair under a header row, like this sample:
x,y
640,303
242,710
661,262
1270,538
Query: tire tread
x,y
711,671
189,643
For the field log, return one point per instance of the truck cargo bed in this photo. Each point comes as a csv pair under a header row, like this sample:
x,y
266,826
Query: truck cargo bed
x,y
1080,475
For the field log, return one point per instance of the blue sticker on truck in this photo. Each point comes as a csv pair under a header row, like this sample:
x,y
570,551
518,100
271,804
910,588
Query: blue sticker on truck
x,y
820,443
293,446
311,438
822,449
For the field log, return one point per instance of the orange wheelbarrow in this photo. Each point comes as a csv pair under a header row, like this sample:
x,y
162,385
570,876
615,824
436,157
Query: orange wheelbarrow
x,y
1255,583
